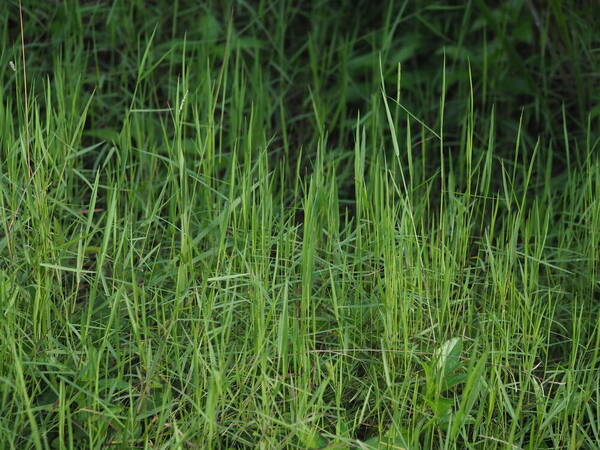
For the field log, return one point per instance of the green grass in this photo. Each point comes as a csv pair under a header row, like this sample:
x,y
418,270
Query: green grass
x,y
254,224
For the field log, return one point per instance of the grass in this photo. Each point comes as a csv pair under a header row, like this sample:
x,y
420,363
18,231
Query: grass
x,y
221,231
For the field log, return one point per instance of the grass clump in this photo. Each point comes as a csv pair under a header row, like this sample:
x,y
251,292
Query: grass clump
x,y
215,234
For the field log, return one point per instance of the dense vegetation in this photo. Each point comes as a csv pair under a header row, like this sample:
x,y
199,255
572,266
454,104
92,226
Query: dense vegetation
x,y
279,224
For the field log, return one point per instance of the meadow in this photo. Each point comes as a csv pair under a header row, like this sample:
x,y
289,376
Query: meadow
x,y
275,224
